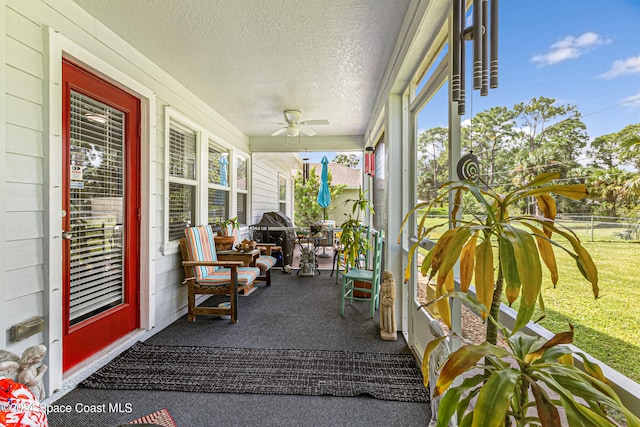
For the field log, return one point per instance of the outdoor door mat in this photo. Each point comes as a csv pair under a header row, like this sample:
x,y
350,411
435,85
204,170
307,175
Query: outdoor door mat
x,y
263,371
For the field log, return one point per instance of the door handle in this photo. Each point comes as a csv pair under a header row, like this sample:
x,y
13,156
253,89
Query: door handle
x,y
66,235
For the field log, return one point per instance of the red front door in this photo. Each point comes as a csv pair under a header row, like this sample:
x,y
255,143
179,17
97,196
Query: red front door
x,y
101,205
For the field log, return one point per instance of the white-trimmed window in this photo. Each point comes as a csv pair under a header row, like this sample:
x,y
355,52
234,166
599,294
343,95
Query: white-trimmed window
x,y
242,189
282,193
218,183
206,179
183,179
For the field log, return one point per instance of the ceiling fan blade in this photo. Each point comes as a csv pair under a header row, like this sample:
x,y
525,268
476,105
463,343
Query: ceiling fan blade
x,y
279,131
308,132
315,122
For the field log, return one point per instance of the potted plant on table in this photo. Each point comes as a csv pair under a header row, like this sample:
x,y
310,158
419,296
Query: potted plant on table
x,y
225,239
512,381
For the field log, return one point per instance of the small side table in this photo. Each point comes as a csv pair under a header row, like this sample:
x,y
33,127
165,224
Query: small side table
x,y
248,259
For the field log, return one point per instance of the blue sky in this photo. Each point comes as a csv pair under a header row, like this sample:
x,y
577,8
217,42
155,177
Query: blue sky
x,y
580,52
585,53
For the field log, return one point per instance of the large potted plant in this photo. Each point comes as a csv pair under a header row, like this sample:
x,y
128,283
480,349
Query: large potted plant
x,y
506,392
354,235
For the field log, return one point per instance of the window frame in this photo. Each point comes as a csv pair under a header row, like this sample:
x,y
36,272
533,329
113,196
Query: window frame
x,y
212,143
236,163
283,203
204,139
181,123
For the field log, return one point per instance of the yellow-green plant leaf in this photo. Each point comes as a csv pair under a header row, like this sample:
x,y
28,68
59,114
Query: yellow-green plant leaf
x,y
407,270
450,250
449,283
494,398
438,250
547,411
453,397
528,260
572,191
444,309
585,264
457,203
426,263
546,252
467,260
593,369
409,214
425,358
462,359
547,205
543,178
509,270
484,275
541,305
557,339
566,359
525,312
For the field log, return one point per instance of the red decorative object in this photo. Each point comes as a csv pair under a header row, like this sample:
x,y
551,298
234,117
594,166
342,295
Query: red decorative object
x,y
18,407
162,418
370,163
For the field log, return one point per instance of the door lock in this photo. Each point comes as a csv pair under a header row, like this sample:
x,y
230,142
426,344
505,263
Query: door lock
x,y
66,235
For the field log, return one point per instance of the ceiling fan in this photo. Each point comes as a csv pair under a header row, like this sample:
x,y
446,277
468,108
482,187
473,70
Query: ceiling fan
x,y
293,126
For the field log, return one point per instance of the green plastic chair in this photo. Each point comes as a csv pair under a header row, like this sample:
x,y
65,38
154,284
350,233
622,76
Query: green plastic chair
x,y
355,280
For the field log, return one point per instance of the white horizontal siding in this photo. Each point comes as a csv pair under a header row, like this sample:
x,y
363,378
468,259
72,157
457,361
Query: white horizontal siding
x,y
24,169
24,281
24,226
25,141
22,57
4,144
24,85
23,253
21,197
22,112
266,170
24,30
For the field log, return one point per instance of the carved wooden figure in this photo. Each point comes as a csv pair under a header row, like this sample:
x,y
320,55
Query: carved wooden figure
x,y
388,329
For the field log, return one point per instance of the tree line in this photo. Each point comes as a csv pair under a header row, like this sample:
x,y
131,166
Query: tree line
x,y
514,145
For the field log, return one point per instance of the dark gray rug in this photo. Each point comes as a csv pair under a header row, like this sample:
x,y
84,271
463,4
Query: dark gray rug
x,y
263,371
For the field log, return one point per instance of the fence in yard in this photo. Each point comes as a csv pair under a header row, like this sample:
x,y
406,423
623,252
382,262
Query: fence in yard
x,y
587,227
598,228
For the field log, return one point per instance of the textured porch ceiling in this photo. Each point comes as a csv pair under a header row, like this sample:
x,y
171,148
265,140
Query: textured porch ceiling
x,y
252,59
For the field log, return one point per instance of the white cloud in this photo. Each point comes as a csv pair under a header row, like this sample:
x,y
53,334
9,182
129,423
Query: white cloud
x,y
623,67
570,47
633,100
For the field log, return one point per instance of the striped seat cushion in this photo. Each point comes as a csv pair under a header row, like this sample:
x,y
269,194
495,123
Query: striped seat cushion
x,y
201,247
265,262
222,276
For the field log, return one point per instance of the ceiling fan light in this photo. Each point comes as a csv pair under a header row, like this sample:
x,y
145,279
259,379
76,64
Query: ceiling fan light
x,y
293,131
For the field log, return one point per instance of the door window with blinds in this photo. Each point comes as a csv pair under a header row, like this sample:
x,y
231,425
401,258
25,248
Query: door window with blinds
x,y
97,163
183,183
218,180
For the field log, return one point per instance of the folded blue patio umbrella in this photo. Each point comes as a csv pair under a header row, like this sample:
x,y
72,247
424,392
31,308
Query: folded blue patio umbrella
x,y
324,194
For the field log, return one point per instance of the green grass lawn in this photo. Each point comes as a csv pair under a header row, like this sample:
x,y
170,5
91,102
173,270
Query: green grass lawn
x,y
607,328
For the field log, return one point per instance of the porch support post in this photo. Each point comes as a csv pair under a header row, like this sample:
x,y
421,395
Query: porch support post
x,y
397,202
454,156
